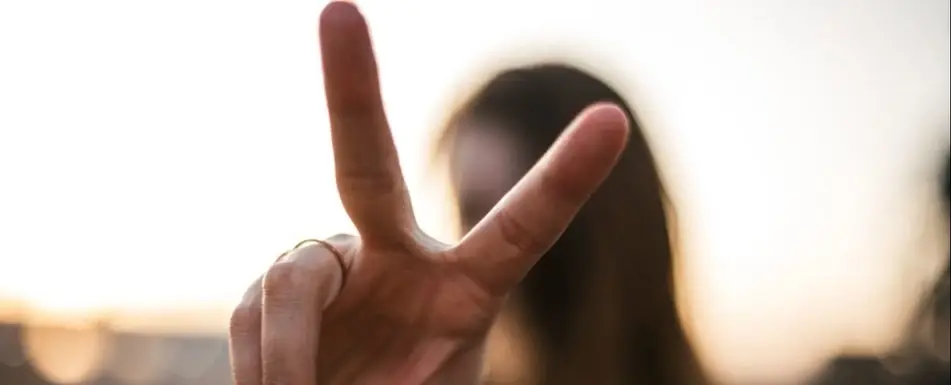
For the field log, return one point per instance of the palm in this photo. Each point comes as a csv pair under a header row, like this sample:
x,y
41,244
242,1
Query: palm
x,y
414,311
424,324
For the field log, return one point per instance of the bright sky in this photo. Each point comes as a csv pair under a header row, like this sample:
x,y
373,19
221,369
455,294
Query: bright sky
x,y
158,155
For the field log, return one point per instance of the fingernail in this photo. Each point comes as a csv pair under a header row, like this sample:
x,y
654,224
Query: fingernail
x,y
340,11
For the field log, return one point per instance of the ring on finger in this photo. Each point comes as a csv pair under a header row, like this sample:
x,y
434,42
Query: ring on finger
x,y
333,250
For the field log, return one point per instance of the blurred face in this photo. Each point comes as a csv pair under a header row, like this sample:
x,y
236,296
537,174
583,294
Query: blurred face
x,y
486,164
487,161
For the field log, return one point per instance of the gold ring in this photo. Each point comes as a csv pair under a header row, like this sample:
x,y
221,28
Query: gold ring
x,y
280,257
333,250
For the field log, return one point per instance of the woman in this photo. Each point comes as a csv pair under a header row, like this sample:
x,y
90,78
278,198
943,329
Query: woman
x,y
394,306
600,304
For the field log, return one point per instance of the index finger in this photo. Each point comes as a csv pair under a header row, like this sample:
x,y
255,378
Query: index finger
x,y
368,173
506,244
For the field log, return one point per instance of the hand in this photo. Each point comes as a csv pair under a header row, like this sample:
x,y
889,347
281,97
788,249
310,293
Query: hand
x,y
401,308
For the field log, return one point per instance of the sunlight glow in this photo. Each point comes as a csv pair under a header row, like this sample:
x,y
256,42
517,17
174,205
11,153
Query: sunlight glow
x,y
66,356
156,156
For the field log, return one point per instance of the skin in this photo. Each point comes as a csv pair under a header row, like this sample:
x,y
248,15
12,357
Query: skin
x,y
412,310
488,157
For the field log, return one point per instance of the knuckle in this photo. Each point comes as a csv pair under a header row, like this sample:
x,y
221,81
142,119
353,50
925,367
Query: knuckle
x,y
245,319
320,269
366,180
519,236
282,280
312,259
246,316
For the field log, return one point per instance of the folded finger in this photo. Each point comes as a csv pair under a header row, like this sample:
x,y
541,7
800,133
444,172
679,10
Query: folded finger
x,y
244,336
296,290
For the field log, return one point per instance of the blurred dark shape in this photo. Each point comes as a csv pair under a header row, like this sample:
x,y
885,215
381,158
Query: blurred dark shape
x,y
857,370
943,288
11,355
924,361
862,370
935,373
947,183
940,296
600,304
192,360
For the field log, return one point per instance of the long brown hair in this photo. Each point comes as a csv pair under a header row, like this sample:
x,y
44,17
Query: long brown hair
x,y
601,302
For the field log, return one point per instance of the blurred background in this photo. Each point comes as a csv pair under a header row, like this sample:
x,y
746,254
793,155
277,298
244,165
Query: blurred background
x,y
155,157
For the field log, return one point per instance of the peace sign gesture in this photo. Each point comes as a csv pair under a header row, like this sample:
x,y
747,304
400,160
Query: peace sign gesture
x,y
394,306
